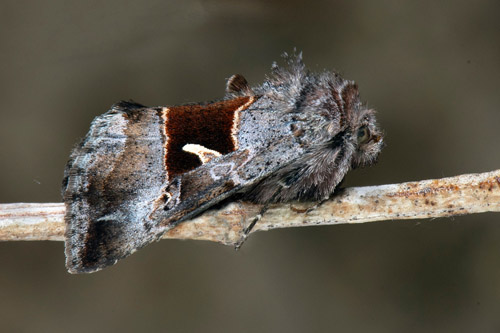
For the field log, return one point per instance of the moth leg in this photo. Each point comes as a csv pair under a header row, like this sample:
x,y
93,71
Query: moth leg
x,y
337,190
317,204
249,227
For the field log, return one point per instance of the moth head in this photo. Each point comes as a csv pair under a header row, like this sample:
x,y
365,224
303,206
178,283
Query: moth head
x,y
367,138
352,127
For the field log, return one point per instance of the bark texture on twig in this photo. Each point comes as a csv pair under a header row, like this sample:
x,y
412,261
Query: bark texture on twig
x,y
465,194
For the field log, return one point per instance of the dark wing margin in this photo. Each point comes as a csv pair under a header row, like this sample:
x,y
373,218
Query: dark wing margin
x,y
111,181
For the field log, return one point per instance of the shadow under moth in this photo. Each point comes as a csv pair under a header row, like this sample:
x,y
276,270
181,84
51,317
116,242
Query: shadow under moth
x,y
142,170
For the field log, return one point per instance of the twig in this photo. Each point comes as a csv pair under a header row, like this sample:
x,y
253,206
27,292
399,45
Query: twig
x,y
465,194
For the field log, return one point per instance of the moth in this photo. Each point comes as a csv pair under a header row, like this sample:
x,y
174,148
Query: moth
x,y
142,170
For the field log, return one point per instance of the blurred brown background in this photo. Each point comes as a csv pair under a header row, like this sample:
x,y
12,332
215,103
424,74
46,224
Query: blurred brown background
x,y
431,69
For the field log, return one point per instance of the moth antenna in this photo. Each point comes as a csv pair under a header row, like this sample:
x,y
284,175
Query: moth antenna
x,y
237,84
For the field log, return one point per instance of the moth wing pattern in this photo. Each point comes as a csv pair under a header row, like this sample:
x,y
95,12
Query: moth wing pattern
x,y
107,193
115,208
140,171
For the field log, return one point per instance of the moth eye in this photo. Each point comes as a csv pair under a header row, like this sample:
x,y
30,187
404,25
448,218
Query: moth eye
x,y
363,134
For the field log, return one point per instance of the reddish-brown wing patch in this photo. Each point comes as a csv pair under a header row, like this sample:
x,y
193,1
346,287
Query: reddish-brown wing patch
x,y
212,126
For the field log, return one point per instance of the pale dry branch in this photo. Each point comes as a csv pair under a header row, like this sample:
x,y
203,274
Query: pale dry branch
x,y
465,194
